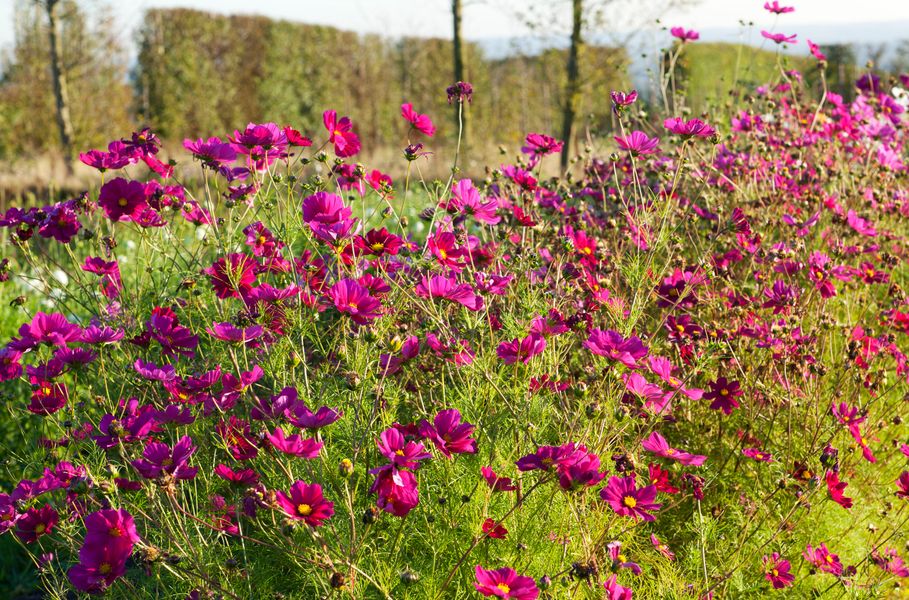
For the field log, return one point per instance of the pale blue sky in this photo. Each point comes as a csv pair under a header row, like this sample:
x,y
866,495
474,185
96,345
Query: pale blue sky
x,y
497,18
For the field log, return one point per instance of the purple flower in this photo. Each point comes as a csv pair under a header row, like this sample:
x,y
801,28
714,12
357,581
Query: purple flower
x,y
354,300
776,571
612,345
621,100
122,200
35,523
505,583
628,500
295,445
51,329
690,128
637,143
439,286
685,35
227,332
150,370
459,92
449,434
400,452
658,445
521,349
305,502
780,38
212,152
159,459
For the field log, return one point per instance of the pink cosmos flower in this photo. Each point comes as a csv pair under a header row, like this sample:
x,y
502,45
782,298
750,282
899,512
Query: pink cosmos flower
x,y
122,200
421,123
583,470
305,502
35,523
902,484
396,491
776,9
614,591
757,454
494,530
612,345
460,92
723,394
538,145
240,477
661,547
327,216
685,35
823,559
228,332
354,300
403,454
340,133
439,286
860,225
658,445
294,445
621,100
232,276
213,153
444,247
159,459
638,143
496,482
449,434
52,329
466,199
816,51
690,128
836,489
780,38
505,583
521,349
776,571
627,500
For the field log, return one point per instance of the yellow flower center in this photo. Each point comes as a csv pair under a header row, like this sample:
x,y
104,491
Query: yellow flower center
x,y
115,532
630,501
680,328
504,587
40,528
353,305
399,452
724,392
167,462
774,572
443,254
828,558
377,246
304,510
122,201
105,568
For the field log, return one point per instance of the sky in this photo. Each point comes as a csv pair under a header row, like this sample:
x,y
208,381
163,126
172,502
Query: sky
x,y
487,19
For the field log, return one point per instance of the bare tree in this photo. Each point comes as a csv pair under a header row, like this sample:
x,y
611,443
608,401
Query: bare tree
x,y
58,77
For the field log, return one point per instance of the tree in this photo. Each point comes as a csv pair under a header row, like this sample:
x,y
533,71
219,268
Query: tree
x,y
58,78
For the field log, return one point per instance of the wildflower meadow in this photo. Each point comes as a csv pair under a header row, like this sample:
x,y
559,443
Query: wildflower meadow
x,y
257,368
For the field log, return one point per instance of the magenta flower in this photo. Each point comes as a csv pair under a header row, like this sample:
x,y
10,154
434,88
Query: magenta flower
x,y
690,128
521,349
658,445
35,523
723,394
637,143
823,559
459,92
902,484
816,51
836,489
153,372
352,299
305,502
103,161
159,459
300,416
661,547
98,567
629,501
583,470
780,38
776,9
757,454
685,35
52,329
538,145
295,445
228,332
213,153
547,457
327,216
618,559
444,247
615,591
340,133
241,477
495,482
378,242
401,453
505,583
466,199
396,490
776,571
612,345
622,100
122,200
449,434
232,276
421,123
439,286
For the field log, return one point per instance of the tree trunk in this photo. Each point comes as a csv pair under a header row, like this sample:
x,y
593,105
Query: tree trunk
x,y
61,95
573,81
458,48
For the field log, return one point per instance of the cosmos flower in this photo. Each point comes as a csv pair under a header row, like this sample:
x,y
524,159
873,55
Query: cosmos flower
x,y
421,123
305,502
505,583
776,571
627,500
